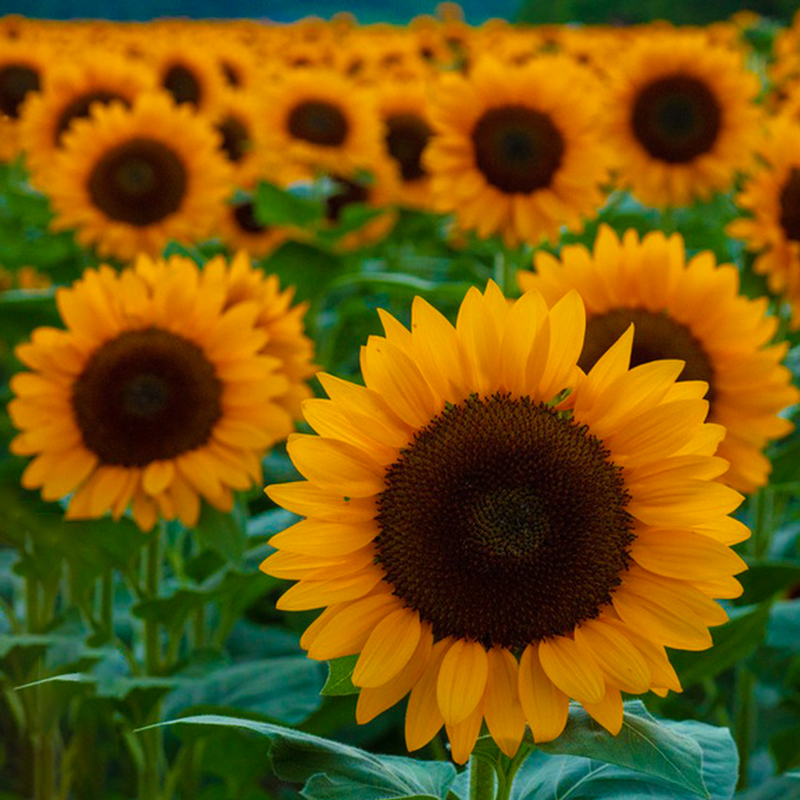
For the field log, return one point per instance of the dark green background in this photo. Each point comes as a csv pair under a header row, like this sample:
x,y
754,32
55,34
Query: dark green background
x,y
401,11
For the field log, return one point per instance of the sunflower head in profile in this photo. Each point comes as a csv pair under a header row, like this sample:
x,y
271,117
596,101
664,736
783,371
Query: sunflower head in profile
x,y
687,310
515,150
70,93
494,531
682,116
130,180
319,118
166,387
772,196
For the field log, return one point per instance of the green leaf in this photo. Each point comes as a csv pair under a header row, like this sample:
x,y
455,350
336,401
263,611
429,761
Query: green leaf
x,y
224,533
709,749
284,689
764,579
276,206
335,771
644,744
340,672
271,522
783,629
733,642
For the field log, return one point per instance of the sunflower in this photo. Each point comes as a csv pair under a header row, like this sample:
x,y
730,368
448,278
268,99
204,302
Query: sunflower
x,y
403,107
22,73
69,95
690,311
681,114
184,70
321,119
163,389
239,228
772,196
242,139
515,149
130,180
496,532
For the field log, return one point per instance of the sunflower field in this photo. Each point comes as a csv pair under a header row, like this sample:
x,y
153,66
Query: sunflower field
x,y
399,411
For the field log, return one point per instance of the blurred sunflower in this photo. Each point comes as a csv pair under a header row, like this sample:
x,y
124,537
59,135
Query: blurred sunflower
x,y
160,391
515,150
240,228
242,140
22,73
496,532
690,311
403,107
130,180
772,196
69,95
184,69
681,115
321,119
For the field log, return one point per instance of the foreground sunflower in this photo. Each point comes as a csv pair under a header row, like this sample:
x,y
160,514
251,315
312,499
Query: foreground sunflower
x,y
496,532
162,390
515,149
682,310
772,196
131,180
682,117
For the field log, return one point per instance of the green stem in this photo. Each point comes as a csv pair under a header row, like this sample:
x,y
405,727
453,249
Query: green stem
x,y
745,708
107,604
481,779
506,772
152,740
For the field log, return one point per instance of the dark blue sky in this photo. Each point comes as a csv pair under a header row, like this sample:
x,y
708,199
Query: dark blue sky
x,y
397,11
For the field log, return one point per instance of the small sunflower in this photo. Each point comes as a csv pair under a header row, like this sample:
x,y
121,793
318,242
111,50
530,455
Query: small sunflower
x,y
242,139
165,388
403,107
681,115
22,74
131,180
239,228
515,149
690,311
322,119
69,95
772,196
495,532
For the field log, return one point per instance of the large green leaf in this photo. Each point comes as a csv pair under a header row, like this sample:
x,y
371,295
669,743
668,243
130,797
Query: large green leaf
x,y
334,771
284,689
224,533
276,206
766,578
684,746
644,744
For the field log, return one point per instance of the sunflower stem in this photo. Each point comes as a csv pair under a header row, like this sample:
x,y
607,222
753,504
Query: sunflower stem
x,y
481,779
152,740
745,709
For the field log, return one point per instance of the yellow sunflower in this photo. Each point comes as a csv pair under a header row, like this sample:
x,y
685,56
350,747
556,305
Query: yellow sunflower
x,y
403,107
69,95
681,115
322,119
242,137
772,196
495,532
690,311
240,229
131,180
515,150
166,387
22,74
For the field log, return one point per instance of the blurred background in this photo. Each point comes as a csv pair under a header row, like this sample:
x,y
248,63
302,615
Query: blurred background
x,y
401,11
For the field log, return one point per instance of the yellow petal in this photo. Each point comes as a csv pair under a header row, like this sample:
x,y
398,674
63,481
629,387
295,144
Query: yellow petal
x,y
388,649
315,594
462,680
616,656
423,718
156,476
317,538
307,500
464,734
571,670
608,712
545,706
502,709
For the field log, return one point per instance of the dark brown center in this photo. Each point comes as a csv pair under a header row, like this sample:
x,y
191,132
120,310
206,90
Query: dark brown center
x,y
183,85
245,216
504,522
231,74
146,396
16,80
517,149
790,206
656,336
139,182
345,193
406,137
676,119
236,139
319,123
80,107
